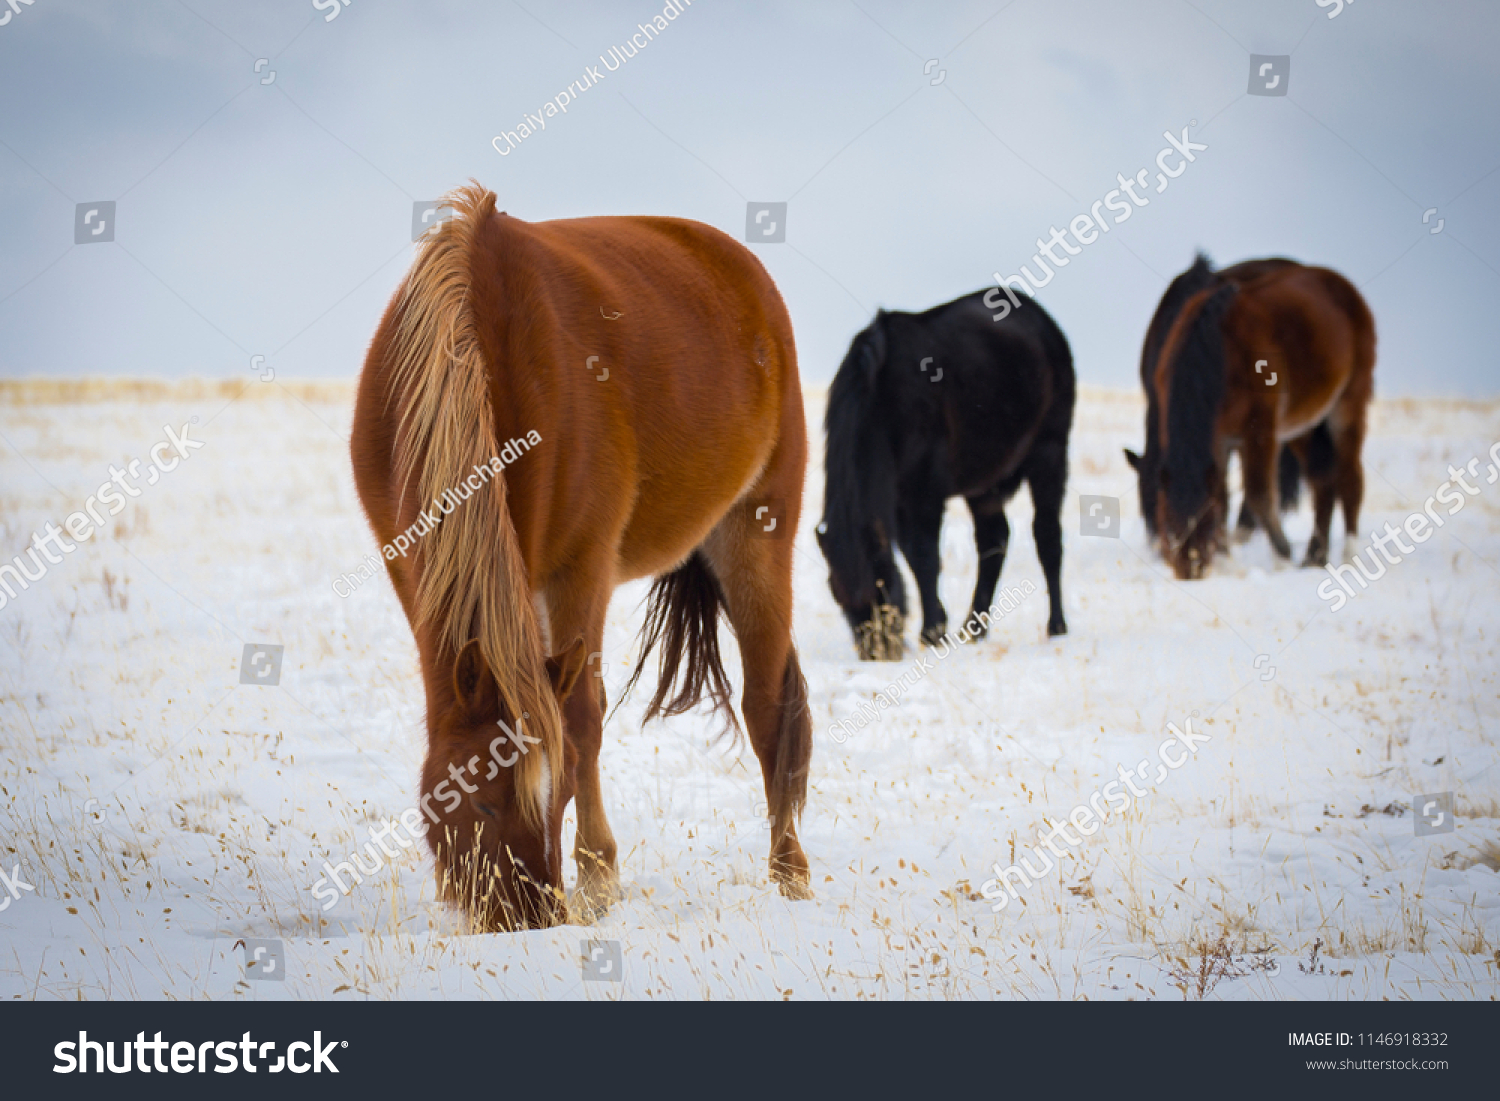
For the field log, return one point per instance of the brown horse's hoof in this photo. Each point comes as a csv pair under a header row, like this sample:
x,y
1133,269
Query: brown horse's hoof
x,y
791,874
795,889
598,888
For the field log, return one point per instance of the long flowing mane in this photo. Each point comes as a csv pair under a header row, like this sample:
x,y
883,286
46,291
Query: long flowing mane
x,y
1195,392
859,469
1196,278
471,579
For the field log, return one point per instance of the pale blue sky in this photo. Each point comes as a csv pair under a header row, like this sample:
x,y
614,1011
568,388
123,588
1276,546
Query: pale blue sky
x,y
274,219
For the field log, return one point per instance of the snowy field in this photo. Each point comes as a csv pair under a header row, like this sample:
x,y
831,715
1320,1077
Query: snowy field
x,y
163,811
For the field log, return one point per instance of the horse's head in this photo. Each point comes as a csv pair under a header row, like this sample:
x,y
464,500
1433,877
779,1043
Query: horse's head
x,y
859,511
493,790
866,583
1190,533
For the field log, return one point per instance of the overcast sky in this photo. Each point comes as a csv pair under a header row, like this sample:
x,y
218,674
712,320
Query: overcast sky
x,y
271,216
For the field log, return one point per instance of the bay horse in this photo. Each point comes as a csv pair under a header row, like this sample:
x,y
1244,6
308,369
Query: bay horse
x,y
1147,465
928,406
649,364
1285,356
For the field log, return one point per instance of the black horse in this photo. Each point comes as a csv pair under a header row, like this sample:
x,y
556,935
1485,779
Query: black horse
x,y
1147,465
925,407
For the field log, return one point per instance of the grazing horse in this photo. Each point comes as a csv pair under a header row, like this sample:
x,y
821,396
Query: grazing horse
x,y
924,407
1286,356
648,366
1147,465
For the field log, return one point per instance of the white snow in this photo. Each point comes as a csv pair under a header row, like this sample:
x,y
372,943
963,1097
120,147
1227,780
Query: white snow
x,y
217,802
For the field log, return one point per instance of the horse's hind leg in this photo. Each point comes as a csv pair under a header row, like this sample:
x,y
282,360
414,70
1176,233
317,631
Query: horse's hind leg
x,y
991,539
754,571
1347,427
1047,475
1315,453
1244,527
919,525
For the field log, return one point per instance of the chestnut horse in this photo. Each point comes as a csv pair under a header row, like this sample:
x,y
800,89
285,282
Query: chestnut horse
x,y
1147,465
649,365
1287,356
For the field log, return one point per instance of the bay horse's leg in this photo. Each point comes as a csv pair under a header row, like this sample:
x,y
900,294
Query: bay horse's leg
x,y
1315,453
1258,454
1047,476
755,576
1347,430
919,524
576,605
991,540
1244,527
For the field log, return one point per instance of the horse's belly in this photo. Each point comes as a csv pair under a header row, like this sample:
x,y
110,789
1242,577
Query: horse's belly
x,y
676,510
1300,418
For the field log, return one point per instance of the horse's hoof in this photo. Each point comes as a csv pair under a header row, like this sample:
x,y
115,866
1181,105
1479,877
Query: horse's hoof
x,y
1316,559
931,636
794,889
598,888
1057,627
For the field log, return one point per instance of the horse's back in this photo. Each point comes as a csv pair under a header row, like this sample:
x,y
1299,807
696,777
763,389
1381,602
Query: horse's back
x,y
1005,383
655,357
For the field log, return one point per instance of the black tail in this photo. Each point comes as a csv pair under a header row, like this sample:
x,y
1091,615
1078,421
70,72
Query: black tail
x,y
682,613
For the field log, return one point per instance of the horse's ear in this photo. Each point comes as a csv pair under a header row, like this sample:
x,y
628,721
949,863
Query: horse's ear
x,y
473,682
1133,459
563,669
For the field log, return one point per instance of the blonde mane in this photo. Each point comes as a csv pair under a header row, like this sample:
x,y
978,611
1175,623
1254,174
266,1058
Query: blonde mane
x,y
471,580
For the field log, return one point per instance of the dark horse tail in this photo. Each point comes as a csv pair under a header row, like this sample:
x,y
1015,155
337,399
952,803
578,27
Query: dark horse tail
x,y
682,613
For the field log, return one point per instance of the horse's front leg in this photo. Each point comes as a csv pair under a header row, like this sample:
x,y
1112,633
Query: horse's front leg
x,y
1260,453
919,524
576,606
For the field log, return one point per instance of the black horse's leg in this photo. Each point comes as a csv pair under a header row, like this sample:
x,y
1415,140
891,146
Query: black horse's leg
x,y
919,522
1047,475
991,539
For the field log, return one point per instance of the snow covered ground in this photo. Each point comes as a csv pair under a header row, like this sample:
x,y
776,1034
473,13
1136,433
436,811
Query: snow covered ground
x,y
163,811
